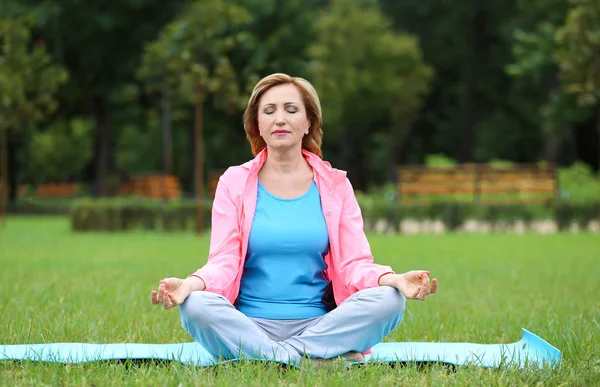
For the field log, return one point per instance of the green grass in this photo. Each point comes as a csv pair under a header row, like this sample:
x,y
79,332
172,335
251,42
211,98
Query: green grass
x,y
57,286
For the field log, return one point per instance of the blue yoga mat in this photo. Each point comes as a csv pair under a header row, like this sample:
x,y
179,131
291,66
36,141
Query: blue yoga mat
x,y
531,350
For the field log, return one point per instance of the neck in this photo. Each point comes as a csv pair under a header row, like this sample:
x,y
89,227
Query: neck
x,y
284,161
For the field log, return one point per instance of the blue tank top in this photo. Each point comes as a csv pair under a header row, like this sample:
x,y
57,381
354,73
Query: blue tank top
x,y
283,274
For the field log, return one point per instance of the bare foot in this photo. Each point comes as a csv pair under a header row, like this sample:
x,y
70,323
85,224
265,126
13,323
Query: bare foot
x,y
353,356
349,357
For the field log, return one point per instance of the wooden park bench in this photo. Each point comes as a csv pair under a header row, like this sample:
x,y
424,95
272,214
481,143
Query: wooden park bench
x,y
515,184
154,186
56,190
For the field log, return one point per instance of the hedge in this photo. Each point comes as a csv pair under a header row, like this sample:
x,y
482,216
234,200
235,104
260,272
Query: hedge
x,y
180,215
129,214
454,215
34,206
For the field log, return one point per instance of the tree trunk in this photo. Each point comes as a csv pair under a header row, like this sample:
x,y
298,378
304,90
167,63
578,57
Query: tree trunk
x,y
353,157
598,130
570,153
349,156
13,171
101,143
466,150
167,137
3,175
553,130
472,76
346,151
551,147
199,161
398,138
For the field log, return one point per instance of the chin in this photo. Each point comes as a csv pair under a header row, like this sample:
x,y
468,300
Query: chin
x,y
284,145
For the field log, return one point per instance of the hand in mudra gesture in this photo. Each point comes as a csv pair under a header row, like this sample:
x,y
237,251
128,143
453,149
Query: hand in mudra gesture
x,y
171,292
415,284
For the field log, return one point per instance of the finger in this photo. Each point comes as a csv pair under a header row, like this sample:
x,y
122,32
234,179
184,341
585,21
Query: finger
x,y
164,284
166,300
173,300
153,298
161,293
434,285
421,294
426,285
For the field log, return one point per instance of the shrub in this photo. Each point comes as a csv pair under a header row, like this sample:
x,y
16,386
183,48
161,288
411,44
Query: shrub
x,y
566,214
455,214
439,161
39,206
128,214
578,184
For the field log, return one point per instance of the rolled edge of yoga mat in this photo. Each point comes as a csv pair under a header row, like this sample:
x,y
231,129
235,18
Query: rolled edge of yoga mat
x,y
543,349
531,350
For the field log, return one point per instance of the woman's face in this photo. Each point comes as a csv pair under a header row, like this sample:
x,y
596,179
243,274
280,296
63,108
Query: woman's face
x,y
282,120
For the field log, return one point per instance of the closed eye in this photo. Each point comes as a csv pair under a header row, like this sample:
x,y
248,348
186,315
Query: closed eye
x,y
271,111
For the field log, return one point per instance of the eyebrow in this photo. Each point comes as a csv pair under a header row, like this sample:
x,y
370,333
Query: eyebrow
x,y
285,104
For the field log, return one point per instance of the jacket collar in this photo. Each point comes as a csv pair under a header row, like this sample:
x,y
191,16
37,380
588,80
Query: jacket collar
x,y
321,167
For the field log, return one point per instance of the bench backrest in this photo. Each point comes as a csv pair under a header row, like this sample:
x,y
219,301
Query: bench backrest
x,y
525,184
153,186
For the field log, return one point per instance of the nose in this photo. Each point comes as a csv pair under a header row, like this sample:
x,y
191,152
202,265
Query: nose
x,y
279,119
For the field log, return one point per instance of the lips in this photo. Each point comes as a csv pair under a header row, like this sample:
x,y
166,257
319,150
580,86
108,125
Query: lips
x,y
280,132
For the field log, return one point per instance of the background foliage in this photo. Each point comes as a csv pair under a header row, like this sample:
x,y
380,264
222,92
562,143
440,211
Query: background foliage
x,y
400,81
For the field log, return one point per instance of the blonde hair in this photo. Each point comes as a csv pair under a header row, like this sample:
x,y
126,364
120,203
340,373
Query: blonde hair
x,y
313,140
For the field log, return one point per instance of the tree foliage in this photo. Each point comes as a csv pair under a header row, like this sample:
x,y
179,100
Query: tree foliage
x,y
536,72
192,54
28,83
579,56
368,75
579,53
73,139
398,81
28,77
360,63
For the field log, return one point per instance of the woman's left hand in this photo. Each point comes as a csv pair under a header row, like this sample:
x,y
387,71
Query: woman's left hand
x,y
415,284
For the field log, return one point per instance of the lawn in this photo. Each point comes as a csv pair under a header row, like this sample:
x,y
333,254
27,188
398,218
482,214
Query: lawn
x,y
58,286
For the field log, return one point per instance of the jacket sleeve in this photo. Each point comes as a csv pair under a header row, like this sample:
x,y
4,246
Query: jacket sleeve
x,y
357,268
225,251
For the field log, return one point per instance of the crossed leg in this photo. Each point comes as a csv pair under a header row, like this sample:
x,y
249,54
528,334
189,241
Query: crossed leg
x,y
359,323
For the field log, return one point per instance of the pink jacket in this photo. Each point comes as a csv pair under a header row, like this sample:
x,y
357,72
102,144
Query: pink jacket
x,y
350,265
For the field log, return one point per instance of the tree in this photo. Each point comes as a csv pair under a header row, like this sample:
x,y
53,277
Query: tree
x,y
466,43
579,55
536,74
100,44
191,59
367,76
28,83
61,151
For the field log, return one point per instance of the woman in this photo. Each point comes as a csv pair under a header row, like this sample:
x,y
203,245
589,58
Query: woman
x,y
290,271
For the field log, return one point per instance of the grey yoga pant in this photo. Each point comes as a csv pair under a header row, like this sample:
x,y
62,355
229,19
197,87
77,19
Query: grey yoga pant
x,y
359,323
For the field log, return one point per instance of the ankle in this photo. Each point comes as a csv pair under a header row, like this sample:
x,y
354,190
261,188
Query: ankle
x,y
353,356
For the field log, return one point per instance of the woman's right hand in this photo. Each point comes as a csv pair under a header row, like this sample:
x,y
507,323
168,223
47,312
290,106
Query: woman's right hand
x,y
171,292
